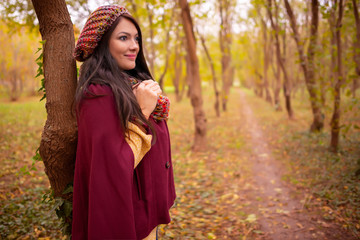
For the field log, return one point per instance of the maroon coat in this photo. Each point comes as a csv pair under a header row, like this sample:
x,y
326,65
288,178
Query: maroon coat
x,y
112,200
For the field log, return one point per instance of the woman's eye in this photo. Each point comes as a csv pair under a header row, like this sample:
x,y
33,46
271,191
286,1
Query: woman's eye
x,y
122,38
137,39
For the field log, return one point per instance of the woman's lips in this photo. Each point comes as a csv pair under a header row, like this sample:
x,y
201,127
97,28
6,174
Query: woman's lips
x,y
131,56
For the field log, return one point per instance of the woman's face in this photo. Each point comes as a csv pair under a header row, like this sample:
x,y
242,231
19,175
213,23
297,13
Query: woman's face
x,y
124,44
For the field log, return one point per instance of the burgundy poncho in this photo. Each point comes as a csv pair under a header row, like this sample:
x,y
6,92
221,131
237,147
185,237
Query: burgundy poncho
x,y
112,200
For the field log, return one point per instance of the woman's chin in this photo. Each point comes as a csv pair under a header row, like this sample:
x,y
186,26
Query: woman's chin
x,y
128,67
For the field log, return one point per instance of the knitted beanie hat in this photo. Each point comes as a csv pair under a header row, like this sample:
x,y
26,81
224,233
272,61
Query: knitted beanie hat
x,y
95,27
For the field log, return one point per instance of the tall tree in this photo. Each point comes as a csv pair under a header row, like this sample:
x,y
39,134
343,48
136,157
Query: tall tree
x,y
356,45
266,53
17,65
307,64
332,27
195,86
178,64
58,142
225,37
335,120
276,71
281,62
213,73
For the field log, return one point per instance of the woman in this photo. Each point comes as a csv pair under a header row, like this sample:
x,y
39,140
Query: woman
x,y
123,185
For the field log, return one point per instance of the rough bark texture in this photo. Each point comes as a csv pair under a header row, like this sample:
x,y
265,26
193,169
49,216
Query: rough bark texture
x,y
356,46
217,93
195,92
307,64
58,142
225,38
281,63
335,120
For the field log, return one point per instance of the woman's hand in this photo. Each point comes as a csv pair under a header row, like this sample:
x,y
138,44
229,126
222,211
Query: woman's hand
x,y
153,86
146,93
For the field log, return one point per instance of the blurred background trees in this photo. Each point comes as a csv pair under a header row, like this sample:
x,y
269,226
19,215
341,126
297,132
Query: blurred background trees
x,y
277,48
271,46
17,61
302,58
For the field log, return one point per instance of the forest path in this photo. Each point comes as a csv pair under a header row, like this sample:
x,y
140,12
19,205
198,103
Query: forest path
x,y
279,214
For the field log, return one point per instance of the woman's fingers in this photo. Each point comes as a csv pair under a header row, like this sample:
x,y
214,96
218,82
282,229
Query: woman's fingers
x,y
156,88
146,82
146,98
152,85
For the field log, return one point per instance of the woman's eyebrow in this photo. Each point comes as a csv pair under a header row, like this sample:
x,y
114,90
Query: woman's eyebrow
x,y
126,33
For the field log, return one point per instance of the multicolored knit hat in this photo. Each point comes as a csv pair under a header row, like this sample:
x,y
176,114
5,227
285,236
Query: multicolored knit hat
x,y
95,27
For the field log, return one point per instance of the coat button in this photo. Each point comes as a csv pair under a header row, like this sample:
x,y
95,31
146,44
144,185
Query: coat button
x,y
167,165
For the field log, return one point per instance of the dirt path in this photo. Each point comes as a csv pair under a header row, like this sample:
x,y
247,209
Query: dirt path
x,y
279,214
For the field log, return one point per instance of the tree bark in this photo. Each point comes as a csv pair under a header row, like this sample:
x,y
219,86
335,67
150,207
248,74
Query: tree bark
x,y
286,83
225,45
58,141
356,47
281,63
266,47
277,83
308,64
217,93
335,120
195,93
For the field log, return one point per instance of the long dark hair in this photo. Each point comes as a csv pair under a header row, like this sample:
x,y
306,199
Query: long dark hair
x,y
102,68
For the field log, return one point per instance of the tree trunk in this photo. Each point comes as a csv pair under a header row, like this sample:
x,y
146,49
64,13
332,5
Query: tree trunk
x,y
335,120
167,54
268,97
281,63
58,141
225,45
266,50
189,75
356,47
217,93
286,84
183,79
277,83
195,93
151,56
308,64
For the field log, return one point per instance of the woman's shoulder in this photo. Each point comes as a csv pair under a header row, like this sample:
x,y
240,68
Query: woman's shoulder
x,y
96,89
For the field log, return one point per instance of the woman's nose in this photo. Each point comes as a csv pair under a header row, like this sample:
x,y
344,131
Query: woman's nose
x,y
134,45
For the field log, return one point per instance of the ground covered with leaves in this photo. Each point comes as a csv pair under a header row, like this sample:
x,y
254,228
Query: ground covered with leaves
x,y
23,215
216,191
